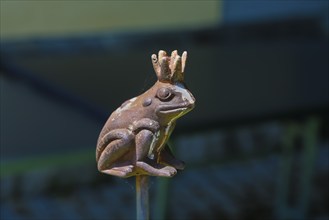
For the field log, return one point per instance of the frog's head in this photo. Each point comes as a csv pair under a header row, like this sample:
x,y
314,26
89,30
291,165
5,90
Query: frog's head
x,y
170,97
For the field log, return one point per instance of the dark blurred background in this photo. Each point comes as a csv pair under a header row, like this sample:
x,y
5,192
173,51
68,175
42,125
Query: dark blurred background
x,y
256,145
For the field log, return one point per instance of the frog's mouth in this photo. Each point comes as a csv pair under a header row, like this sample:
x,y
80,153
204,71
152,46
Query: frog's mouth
x,y
172,109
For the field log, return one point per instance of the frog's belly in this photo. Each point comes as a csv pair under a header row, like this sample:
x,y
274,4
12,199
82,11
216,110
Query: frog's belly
x,y
160,139
153,145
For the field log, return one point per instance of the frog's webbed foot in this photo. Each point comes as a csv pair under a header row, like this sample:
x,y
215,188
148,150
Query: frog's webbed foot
x,y
124,171
147,169
166,157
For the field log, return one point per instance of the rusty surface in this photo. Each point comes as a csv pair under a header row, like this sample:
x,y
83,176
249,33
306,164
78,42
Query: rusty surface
x,y
134,139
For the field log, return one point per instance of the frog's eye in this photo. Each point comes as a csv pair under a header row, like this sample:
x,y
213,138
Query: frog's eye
x,y
164,94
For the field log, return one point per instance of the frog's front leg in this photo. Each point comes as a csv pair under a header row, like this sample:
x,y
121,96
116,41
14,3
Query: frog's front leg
x,y
144,165
143,140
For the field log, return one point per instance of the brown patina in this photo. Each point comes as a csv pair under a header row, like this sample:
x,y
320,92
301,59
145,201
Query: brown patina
x,y
134,139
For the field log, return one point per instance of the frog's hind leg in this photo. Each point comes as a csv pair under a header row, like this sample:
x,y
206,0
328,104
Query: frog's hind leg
x,y
113,141
109,165
114,146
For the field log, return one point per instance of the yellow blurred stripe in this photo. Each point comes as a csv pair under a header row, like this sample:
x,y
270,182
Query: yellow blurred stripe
x,y
44,18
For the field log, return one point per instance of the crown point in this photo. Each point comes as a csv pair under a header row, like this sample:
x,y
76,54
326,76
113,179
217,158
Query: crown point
x,y
169,69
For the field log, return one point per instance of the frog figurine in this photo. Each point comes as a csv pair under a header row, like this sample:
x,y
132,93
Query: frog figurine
x,y
134,139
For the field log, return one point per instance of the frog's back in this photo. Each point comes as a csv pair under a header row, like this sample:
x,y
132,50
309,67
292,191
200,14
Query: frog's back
x,y
121,118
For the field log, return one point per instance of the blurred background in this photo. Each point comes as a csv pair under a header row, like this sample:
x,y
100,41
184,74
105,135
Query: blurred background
x,y
256,145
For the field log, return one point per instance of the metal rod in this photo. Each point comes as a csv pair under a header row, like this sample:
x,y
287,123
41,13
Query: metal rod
x,y
142,197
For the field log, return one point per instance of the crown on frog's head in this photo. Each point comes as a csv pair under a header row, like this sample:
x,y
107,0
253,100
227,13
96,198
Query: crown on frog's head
x,y
169,69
